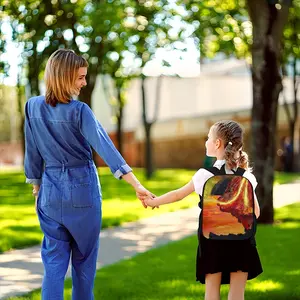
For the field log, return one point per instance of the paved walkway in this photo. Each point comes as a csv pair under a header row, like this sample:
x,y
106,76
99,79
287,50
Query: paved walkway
x,y
21,270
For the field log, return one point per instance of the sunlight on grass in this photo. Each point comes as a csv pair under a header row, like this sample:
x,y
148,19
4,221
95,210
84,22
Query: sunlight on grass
x,y
289,225
119,202
294,272
176,283
265,286
281,177
285,214
19,225
168,272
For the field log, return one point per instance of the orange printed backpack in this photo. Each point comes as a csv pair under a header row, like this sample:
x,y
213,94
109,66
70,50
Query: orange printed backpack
x,y
227,204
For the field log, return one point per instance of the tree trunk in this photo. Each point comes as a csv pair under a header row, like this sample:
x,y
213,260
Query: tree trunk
x,y
147,128
33,74
120,120
268,23
148,151
22,118
295,117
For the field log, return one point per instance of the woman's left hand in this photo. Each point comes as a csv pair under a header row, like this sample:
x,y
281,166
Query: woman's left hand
x,y
35,193
36,198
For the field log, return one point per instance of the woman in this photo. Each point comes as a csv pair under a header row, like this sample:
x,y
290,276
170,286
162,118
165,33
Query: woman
x,y
59,134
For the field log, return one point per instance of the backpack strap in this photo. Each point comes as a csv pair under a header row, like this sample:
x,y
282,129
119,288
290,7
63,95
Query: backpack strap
x,y
216,171
239,171
222,170
213,170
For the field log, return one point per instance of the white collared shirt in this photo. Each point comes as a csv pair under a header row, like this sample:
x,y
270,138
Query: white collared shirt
x,y
202,175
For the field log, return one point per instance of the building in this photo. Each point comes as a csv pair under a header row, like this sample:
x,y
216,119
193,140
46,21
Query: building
x,y
187,109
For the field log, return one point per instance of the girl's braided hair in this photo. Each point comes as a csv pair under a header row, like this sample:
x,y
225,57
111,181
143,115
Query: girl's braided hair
x,y
231,133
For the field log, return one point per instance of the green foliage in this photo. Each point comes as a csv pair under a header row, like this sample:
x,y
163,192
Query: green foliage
x,y
221,26
224,26
291,35
9,118
105,32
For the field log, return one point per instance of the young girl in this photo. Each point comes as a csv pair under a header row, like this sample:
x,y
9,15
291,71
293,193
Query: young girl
x,y
221,261
59,134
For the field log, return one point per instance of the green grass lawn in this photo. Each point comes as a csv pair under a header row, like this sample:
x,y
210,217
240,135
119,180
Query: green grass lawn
x,y
281,177
19,226
168,272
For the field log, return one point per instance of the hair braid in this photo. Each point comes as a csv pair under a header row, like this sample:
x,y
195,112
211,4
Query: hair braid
x,y
231,133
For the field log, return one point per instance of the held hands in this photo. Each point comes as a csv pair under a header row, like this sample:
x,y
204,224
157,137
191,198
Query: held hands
x,y
151,202
144,194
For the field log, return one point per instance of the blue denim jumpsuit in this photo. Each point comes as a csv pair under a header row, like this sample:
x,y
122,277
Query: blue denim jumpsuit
x,y
58,157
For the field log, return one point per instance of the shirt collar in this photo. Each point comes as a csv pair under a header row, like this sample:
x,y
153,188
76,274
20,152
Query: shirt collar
x,y
219,163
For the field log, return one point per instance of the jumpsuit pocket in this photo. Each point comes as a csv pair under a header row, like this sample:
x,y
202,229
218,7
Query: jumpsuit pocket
x,y
81,195
44,198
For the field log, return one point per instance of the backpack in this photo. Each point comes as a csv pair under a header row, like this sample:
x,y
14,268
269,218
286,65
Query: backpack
x,y
227,204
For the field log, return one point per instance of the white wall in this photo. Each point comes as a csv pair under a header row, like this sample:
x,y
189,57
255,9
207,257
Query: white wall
x,y
181,98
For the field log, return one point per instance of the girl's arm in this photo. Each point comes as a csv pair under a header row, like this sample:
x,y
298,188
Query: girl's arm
x,y
172,196
256,207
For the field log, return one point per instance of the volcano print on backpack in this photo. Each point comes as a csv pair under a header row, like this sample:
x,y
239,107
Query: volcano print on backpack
x,y
228,208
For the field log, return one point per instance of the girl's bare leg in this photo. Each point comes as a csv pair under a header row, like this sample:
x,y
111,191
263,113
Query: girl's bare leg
x,y
237,285
212,286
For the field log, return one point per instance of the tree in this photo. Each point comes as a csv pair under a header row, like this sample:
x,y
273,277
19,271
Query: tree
x,y
53,18
95,30
220,26
153,21
224,26
290,58
117,98
149,122
88,27
268,19
143,33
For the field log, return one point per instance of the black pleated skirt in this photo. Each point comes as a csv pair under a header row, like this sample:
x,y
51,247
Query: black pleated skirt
x,y
214,256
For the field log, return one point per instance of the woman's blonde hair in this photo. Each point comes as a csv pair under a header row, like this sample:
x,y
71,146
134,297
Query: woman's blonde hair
x,y
60,75
231,133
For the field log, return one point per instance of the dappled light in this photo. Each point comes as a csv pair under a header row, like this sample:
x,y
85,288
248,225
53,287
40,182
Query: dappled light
x,y
115,244
157,75
265,286
21,267
168,272
19,224
294,272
